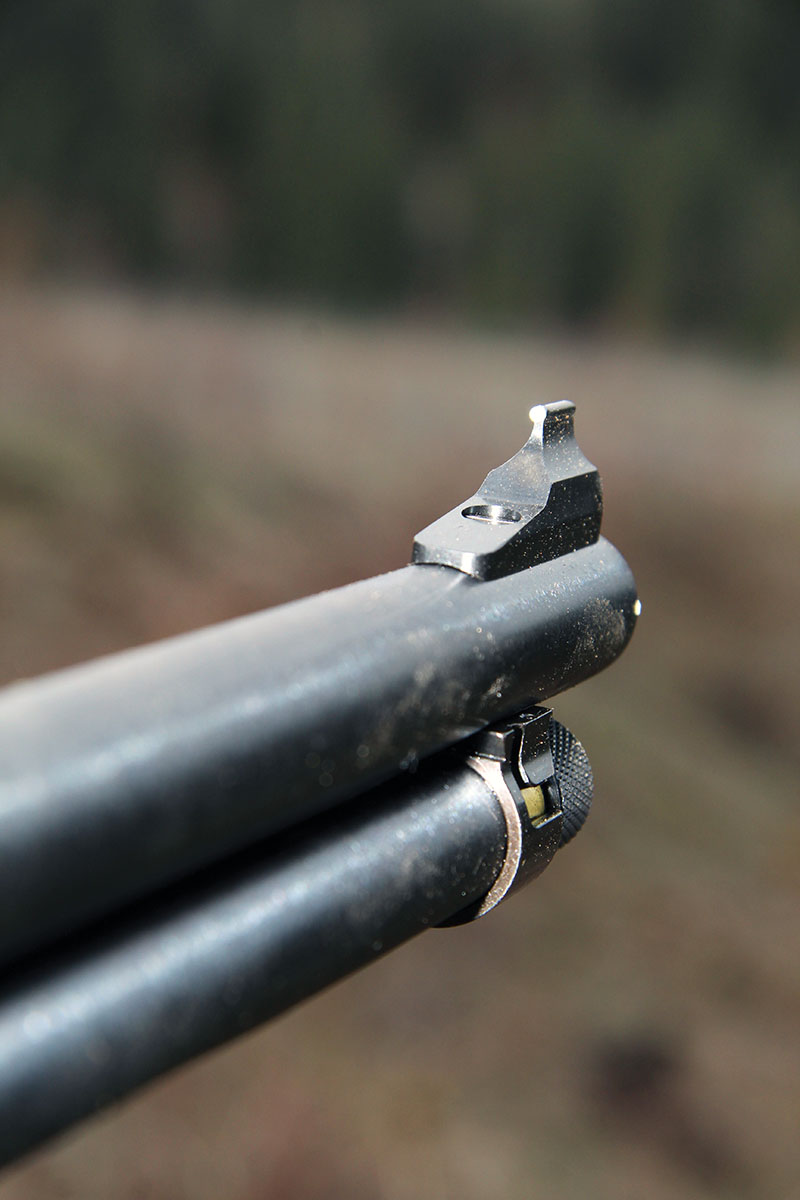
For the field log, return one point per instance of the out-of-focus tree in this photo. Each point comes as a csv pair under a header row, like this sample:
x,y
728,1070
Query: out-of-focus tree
x,y
568,160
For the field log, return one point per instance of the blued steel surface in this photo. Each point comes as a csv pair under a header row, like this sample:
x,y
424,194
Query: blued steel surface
x,y
544,502
225,954
134,770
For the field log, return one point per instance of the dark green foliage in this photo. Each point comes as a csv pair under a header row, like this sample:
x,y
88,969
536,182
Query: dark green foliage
x,y
566,160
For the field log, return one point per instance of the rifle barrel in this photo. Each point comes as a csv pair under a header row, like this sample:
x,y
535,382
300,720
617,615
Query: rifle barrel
x,y
126,774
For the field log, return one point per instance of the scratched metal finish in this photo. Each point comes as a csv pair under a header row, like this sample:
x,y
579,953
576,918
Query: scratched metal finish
x,y
123,774
213,960
119,776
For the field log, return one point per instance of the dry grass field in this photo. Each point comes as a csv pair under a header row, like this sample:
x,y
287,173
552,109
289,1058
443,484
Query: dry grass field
x,y
630,1026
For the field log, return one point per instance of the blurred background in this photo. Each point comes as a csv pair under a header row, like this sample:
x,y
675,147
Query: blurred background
x,y
279,282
